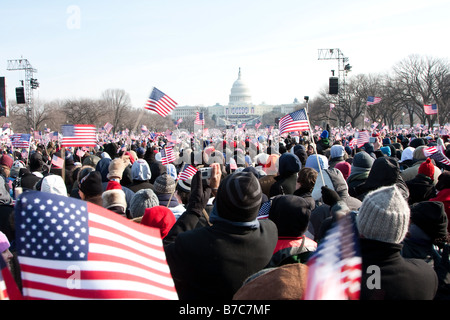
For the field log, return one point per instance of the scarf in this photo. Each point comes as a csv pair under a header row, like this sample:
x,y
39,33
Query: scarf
x,y
215,218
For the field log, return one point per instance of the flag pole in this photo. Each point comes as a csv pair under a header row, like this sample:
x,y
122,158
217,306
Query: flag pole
x,y
138,120
315,149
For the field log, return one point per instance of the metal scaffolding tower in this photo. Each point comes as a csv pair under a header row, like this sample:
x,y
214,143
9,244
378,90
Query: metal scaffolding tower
x,y
29,84
343,69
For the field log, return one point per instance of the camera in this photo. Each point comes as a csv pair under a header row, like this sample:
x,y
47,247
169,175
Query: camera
x,y
206,172
372,139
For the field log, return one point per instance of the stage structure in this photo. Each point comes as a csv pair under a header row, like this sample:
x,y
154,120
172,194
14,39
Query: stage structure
x,y
337,84
30,84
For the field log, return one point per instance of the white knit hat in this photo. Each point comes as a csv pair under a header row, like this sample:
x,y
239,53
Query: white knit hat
x,y
384,215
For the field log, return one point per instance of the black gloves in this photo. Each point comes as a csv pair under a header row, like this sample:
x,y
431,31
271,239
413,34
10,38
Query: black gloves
x,y
329,196
200,194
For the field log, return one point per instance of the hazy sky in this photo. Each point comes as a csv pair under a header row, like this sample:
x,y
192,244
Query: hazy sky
x,y
192,49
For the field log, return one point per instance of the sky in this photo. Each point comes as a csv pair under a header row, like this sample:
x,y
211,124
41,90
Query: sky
x,y
192,50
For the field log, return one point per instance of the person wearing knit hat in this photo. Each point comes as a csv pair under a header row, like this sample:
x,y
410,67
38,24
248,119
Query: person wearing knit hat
x,y
419,157
386,151
90,187
337,153
384,215
422,188
382,223
345,168
6,163
291,215
4,249
159,217
113,198
142,199
240,243
314,160
360,169
164,188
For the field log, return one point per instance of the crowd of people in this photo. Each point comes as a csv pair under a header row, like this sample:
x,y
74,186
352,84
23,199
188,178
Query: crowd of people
x,y
219,242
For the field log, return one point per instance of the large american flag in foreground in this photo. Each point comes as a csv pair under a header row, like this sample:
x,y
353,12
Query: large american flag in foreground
x,y
334,270
79,135
72,249
295,121
160,103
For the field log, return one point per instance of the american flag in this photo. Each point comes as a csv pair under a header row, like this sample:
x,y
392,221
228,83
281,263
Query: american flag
x,y
436,154
78,135
188,172
8,286
20,140
430,109
160,103
335,268
108,126
177,123
372,100
257,124
72,249
144,128
199,119
363,137
57,161
295,121
167,155
264,210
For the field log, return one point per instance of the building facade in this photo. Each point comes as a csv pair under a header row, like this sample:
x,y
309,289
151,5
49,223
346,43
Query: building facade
x,y
240,108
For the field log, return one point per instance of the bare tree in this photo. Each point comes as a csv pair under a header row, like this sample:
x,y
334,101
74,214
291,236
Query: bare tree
x,y
118,103
424,80
84,111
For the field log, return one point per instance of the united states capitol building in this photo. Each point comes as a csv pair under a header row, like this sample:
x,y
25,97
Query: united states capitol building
x,y
240,108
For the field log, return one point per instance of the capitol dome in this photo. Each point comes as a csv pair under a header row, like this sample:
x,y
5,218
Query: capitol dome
x,y
240,93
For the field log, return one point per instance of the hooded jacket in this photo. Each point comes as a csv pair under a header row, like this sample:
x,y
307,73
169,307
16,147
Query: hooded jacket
x,y
286,181
385,171
322,212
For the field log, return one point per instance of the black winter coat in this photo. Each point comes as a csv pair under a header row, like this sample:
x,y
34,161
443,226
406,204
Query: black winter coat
x,y
212,262
399,278
421,188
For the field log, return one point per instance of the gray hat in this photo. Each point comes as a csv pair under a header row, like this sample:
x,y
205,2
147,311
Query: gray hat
x,y
164,184
384,215
141,200
362,160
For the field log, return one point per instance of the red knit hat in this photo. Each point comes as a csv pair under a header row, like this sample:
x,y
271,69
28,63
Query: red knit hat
x,y
113,185
427,168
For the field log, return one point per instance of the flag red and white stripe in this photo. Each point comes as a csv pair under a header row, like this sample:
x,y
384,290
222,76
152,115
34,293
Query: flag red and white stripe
x,y
295,121
72,249
79,135
363,138
167,155
335,269
160,103
57,161
188,172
